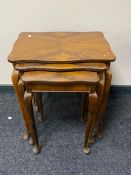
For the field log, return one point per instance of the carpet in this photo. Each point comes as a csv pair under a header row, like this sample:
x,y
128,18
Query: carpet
x,y
62,138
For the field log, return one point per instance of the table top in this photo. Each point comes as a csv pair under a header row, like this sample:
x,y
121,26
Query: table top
x,y
61,47
60,77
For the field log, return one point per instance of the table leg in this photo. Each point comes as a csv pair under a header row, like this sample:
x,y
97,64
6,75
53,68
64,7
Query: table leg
x,y
91,115
108,77
31,118
15,80
100,90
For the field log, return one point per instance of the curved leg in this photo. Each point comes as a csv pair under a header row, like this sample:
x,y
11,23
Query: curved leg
x,y
15,80
29,108
91,115
108,77
100,95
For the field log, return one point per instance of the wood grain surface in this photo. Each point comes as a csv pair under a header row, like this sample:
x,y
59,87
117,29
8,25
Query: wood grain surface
x,y
61,47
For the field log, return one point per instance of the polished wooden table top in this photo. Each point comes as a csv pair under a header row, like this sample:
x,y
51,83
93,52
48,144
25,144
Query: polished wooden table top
x,y
61,47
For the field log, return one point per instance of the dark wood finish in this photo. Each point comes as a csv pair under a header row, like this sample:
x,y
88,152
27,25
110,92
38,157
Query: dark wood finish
x,y
26,67
61,47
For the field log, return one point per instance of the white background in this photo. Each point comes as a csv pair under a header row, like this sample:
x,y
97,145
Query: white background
x,y
113,17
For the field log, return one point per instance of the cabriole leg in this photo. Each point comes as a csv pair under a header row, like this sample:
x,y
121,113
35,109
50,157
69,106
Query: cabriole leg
x,y
91,115
29,107
100,90
15,80
108,77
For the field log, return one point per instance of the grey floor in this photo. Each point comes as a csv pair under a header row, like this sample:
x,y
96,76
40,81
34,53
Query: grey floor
x,y
62,137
